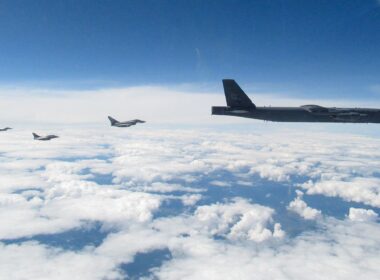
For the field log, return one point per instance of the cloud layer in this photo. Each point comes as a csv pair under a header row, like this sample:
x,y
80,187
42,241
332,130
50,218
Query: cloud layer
x,y
204,196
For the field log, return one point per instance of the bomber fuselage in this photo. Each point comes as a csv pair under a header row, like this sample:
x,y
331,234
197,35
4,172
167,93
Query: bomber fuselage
x,y
301,114
240,105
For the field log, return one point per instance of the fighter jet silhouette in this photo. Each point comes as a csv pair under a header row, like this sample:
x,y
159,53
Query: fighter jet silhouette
x,y
124,124
44,138
5,129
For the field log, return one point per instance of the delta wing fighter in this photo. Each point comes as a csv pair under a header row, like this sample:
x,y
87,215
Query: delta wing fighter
x,y
124,124
43,138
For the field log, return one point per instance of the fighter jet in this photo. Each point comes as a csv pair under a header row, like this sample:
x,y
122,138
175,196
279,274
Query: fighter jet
x,y
124,124
5,129
43,138
239,105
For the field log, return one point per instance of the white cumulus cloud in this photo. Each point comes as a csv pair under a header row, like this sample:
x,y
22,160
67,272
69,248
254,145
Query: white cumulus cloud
x,y
300,207
238,220
362,215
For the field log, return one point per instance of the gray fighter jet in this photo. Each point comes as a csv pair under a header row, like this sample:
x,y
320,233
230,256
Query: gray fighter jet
x,y
5,129
239,105
124,124
43,138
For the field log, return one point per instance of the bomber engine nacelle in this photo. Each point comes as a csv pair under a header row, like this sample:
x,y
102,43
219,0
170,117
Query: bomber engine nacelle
x,y
351,116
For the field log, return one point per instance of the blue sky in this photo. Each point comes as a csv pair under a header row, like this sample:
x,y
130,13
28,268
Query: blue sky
x,y
326,49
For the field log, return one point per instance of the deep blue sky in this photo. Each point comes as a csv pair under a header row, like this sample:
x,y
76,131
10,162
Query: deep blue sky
x,y
326,47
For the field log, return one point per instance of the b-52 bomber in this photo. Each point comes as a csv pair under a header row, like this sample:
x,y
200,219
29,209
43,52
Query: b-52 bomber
x,y
43,138
5,129
124,124
239,105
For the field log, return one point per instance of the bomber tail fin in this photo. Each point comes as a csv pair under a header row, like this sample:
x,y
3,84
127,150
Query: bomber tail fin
x,y
235,96
35,135
112,120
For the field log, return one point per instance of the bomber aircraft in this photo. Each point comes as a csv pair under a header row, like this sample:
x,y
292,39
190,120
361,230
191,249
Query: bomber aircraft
x,y
5,129
239,105
124,124
43,138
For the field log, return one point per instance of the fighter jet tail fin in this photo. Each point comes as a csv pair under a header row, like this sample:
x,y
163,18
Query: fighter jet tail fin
x,y
112,120
235,96
35,135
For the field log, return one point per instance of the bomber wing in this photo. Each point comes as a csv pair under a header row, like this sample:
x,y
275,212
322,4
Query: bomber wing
x,y
338,114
